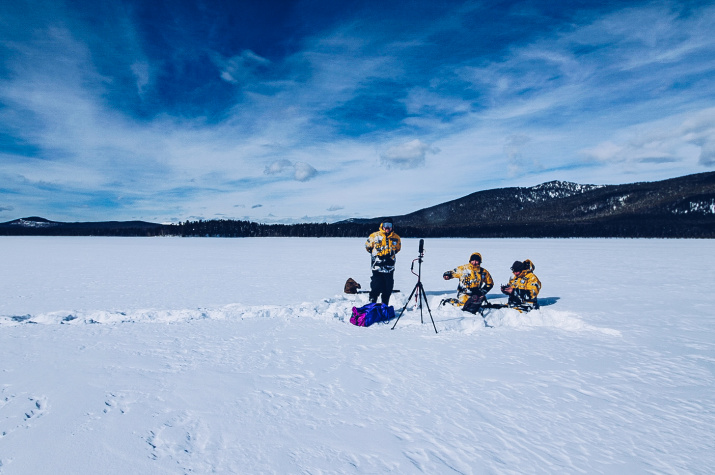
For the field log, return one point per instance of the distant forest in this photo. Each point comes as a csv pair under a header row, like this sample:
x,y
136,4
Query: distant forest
x,y
633,227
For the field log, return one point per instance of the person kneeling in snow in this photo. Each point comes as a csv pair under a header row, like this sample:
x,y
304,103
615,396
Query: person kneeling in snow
x,y
523,287
474,284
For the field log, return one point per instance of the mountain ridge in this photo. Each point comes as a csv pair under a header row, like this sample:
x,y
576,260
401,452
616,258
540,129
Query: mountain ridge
x,y
566,202
681,207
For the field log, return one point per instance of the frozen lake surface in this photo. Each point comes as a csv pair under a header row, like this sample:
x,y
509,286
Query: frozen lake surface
x,y
170,355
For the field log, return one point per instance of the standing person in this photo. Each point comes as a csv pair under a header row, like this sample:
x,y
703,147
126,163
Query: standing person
x,y
523,287
383,245
474,283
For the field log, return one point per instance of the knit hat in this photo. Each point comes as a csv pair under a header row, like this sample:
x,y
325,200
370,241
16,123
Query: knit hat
x,y
475,257
517,266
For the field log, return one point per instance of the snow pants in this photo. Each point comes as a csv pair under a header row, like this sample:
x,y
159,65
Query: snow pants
x,y
381,284
522,304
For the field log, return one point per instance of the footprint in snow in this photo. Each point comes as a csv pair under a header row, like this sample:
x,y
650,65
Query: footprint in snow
x,y
19,412
179,438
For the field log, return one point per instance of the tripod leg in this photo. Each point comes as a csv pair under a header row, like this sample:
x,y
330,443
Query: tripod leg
x,y
403,308
420,295
427,304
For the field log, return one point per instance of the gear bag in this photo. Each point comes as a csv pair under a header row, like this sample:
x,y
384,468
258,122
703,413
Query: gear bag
x,y
474,303
351,287
371,313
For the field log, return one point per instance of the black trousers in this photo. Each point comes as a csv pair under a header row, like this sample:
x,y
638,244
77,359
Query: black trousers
x,y
381,284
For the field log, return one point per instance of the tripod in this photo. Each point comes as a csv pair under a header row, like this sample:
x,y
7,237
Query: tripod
x,y
419,288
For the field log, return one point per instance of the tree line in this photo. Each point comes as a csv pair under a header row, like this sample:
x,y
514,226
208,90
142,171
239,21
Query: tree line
x,y
623,227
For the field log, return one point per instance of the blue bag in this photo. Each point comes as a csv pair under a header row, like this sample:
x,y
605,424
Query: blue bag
x,y
372,313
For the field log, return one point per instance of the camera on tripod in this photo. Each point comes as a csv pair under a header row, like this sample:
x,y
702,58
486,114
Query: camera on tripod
x,y
419,258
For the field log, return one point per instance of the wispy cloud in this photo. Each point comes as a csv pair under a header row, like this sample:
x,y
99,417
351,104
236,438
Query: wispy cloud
x,y
689,136
183,113
241,69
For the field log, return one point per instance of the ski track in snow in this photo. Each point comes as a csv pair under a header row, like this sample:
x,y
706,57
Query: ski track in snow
x,y
338,308
615,387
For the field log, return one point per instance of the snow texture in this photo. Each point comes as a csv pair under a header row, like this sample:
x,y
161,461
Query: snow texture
x,y
173,356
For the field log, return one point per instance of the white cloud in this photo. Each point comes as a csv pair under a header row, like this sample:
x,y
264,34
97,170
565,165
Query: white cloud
x,y
140,70
563,93
278,167
304,171
518,163
699,130
604,152
407,155
672,139
301,171
242,68
707,155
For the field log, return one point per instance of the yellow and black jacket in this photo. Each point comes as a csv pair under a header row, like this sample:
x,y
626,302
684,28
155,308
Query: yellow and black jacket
x,y
471,279
526,288
383,247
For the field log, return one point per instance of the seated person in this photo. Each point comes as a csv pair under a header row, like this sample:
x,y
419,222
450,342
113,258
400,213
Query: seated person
x,y
523,287
474,283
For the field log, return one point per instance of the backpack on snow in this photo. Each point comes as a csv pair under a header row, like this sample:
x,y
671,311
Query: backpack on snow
x,y
371,313
474,303
351,287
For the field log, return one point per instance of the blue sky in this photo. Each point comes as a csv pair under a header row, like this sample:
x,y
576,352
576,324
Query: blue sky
x,y
290,111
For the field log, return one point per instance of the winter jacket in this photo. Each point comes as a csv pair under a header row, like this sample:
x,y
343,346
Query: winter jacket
x,y
526,287
471,279
383,248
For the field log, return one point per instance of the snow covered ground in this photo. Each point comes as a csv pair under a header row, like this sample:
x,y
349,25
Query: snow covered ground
x,y
170,355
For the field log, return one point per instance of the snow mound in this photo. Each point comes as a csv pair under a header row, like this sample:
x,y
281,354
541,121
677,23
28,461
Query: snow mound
x,y
327,309
454,319
336,309
543,318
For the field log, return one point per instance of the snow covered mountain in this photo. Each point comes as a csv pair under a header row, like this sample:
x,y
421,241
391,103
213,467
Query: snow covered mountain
x,y
681,207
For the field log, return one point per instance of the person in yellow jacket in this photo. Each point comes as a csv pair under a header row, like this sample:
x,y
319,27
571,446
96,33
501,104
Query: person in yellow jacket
x,y
383,245
523,287
474,282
